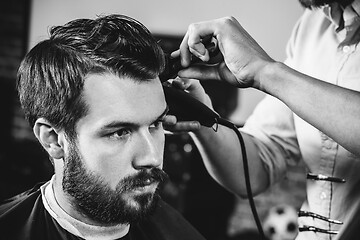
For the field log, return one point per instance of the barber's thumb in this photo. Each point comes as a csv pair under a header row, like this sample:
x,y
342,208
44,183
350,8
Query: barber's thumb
x,y
200,72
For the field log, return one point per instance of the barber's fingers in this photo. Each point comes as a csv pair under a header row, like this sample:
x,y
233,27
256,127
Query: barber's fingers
x,y
189,85
171,124
184,52
192,43
183,126
169,120
198,32
218,72
200,72
194,88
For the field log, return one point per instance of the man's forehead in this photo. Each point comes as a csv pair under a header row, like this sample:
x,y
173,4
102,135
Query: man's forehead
x,y
112,98
111,87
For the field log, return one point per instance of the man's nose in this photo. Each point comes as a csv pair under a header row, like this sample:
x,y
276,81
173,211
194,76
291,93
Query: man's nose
x,y
148,152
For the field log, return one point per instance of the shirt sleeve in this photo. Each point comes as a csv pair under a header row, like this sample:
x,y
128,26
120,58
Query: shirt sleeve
x,y
294,43
272,127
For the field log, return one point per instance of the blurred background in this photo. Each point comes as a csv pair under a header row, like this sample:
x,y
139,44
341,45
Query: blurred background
x,y
215,212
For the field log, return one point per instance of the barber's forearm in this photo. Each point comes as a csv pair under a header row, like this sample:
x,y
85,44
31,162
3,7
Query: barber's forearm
x,y
222,157
332,109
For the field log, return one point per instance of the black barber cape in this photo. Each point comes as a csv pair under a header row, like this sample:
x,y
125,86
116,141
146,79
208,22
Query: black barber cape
x,y
24,217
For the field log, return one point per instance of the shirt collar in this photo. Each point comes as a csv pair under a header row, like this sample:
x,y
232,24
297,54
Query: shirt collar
x,y
356,7
342,17
74,226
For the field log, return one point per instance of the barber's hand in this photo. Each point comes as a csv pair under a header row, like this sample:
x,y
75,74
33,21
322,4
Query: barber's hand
x,y
243,58
193,88
172,125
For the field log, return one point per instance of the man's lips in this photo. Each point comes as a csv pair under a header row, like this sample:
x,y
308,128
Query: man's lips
x,y
144,181
147,188
149,184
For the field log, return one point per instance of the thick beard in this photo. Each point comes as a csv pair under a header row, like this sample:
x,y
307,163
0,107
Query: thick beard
x,y
319,3
97,201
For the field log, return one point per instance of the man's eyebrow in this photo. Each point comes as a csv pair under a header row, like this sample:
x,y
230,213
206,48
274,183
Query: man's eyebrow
x,y
117,124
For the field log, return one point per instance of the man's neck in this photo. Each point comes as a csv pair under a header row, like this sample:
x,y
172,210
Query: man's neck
x,y
64,202
60,209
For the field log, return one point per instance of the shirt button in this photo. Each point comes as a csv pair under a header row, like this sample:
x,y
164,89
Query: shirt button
x,y
346,49
328,144
323,195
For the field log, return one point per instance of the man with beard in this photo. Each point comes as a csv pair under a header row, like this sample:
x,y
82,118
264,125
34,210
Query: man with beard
x,y
311,111
92,94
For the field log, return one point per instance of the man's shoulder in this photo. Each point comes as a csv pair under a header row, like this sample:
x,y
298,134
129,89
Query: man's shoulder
x,y
168,223
26,198
25,217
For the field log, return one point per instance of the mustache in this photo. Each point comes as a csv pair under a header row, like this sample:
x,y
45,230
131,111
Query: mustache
x,y
143,178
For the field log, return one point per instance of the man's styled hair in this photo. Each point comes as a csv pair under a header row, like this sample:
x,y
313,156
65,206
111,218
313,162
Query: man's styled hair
x,y
51,76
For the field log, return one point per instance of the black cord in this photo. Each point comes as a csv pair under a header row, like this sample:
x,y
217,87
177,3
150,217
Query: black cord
x,y
232,126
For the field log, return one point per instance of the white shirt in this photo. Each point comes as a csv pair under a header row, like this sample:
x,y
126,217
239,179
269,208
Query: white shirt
x,y
323,46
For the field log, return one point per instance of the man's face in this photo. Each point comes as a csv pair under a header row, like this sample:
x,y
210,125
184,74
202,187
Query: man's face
x,y
113,169
320,3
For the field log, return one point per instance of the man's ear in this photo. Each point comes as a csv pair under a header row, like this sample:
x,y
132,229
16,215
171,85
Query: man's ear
x,y
49,138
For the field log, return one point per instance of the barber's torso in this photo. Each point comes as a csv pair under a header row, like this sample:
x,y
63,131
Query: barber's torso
x,y
319,50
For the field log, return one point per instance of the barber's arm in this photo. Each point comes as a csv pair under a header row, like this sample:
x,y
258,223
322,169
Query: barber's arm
x,y
246,64
220,149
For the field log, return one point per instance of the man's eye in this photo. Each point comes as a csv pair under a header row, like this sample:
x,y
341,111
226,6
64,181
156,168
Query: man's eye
x,y
156,125
119,134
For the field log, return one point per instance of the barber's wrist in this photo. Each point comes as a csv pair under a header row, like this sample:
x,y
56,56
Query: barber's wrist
x,y
269,77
